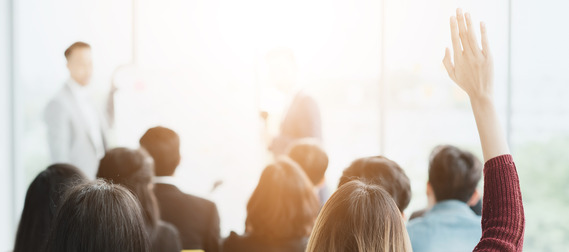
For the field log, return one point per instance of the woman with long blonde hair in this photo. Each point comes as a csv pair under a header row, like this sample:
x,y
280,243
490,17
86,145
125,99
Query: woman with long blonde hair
x,y
359,217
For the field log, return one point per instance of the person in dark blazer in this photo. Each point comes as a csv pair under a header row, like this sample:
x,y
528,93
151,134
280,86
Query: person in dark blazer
x,y
196,219
302,120
280,213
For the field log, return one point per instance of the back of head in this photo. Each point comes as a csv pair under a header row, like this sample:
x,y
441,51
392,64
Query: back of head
x,y
383,172
311,158
98,216
163,145
453,173
134,169
359,217
283,206
42,199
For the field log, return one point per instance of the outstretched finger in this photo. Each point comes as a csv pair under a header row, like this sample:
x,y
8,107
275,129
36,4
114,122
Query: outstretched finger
x,y
485,47
455,38
448,64
462,32
472,36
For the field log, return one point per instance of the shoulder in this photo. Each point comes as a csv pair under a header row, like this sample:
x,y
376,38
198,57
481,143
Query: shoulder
x,y
166,229
419,224
305,98
166,237
172,192
204,203
61,101
235,242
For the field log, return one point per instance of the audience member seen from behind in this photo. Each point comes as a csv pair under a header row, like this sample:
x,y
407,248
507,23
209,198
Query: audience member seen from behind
x,y
359,217
313,160
381,171
42,199
503,220
98,216
280,213
134,170
450,225
196,218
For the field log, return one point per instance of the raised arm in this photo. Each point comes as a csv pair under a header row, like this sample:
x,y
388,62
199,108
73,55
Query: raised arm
x,y
473,71
502,213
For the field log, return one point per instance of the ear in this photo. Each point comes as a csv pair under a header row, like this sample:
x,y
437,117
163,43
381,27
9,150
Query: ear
x,y
432,200
474,198
178,163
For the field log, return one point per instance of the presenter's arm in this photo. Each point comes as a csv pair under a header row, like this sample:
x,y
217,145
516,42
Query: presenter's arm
x,y
58,131
110,107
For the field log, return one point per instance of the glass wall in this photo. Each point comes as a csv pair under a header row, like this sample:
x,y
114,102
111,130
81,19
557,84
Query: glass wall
x,y
42,32
6,213
540,119
199,67
204,66
424,108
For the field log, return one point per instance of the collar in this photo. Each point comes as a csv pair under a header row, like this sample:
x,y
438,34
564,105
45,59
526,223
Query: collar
x,y
165,180
451,206
76,88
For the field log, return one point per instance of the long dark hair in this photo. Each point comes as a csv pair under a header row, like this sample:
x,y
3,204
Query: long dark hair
x,y
98,216
134,169
42,199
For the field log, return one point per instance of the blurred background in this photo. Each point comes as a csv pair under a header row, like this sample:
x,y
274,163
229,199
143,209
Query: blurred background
x,y
374,67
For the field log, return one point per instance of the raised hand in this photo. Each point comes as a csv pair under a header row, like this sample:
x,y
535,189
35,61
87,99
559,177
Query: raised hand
x,y
473,71
473,68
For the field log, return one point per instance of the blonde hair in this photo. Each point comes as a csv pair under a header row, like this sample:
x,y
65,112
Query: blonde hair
x,y
283,206
359,217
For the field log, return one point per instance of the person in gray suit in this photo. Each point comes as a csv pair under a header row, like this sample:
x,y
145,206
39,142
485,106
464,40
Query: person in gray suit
x,y
77,132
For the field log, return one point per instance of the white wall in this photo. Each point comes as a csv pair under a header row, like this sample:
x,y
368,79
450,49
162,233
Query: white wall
x,y
6,212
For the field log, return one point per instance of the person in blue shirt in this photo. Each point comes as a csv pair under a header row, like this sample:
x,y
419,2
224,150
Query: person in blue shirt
x,y
450,225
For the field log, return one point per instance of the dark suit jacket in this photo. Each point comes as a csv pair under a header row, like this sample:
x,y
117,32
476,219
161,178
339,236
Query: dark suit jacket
x,y
196,219
250,243
301,121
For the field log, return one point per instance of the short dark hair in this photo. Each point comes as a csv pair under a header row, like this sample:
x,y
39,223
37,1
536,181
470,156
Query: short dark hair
x,y
98,216
311,158
283,205
453,173
74,46
42,199
134,169
163,145
384,172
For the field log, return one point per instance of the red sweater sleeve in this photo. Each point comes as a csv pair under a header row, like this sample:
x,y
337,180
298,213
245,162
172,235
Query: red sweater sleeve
x,y
503,221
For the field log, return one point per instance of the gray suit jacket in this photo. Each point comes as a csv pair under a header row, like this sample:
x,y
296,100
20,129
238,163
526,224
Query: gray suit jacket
x,y
68,132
